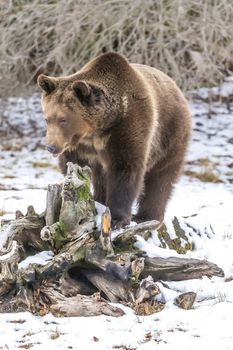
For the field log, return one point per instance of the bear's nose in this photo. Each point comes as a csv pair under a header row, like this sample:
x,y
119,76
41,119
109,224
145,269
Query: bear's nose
x,y
52,149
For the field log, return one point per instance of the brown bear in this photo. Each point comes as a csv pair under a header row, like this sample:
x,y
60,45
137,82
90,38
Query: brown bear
x,y
129,122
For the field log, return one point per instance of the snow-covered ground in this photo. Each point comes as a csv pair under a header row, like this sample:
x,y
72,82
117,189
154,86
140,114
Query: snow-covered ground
x,y
204,210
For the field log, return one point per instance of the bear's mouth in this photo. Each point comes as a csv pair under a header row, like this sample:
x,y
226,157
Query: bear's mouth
x,y
69,146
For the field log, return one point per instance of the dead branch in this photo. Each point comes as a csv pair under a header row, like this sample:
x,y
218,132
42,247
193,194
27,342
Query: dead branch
x,y
83,260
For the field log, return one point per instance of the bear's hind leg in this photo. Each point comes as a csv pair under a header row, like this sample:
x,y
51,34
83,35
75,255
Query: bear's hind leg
x,y
158,186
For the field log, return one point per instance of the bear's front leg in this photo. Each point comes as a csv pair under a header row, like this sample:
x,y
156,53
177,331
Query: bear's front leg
x,y
123,187
125,159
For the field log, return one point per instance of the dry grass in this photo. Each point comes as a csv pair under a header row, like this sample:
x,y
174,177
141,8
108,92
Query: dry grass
x,y
41,164
26,346
17,321
206,175
56,334
2,212
190,40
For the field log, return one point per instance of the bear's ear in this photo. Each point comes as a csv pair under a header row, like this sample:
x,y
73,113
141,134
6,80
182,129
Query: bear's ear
x,y
46,83
86,93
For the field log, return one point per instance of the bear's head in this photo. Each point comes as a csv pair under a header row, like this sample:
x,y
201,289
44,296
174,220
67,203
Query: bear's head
x,y
73,109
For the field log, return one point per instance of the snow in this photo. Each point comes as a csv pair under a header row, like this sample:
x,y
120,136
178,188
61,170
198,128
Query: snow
x,y
152,250
40,258
11,253
204,210
209,326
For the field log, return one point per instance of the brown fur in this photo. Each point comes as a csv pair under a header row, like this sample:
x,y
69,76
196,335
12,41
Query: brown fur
x,y
129,122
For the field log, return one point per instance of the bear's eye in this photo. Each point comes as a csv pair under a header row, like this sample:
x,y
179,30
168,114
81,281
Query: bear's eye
x,y
63,122
46,121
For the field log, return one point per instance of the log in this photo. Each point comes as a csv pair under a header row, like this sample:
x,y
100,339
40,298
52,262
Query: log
x,y
77,203
113,289
8,263
128,236
178,269
24,230
53,204
85,259
80,305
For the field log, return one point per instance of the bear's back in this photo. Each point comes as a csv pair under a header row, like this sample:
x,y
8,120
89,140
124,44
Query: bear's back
x,y
173,115
165,90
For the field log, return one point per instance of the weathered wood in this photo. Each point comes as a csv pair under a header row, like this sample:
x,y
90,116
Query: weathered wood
x,y
128,235
177,269
53,204
105,233
80,305
77,209
25,230
114,290
8,263
77,202
147,290
85,258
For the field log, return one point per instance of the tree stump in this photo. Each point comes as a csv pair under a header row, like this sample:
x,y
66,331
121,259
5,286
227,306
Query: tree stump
x,y
63,262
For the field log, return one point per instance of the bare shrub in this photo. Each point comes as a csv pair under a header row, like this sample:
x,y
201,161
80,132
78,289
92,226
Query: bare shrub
x,y
189,40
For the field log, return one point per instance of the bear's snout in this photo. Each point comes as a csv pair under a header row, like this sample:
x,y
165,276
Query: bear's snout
x,y
52,149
